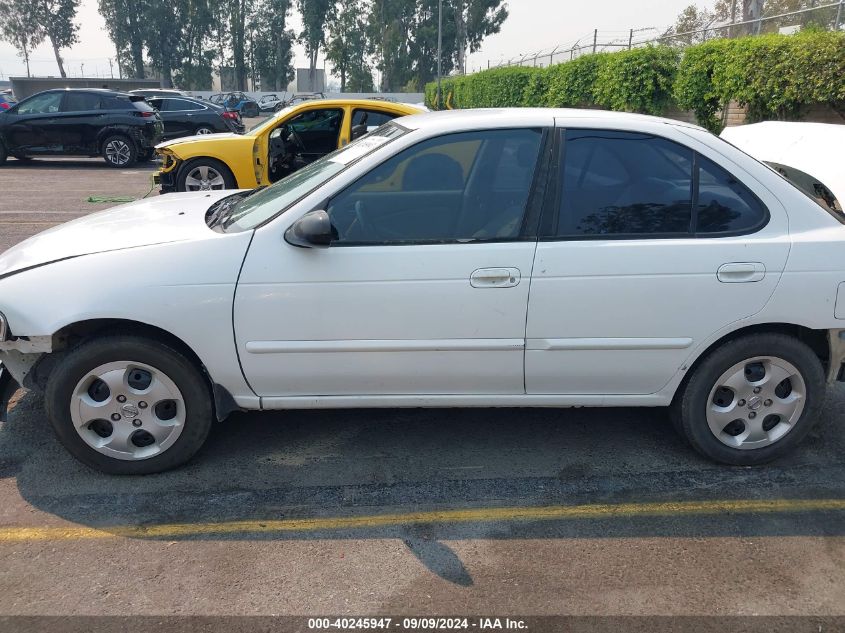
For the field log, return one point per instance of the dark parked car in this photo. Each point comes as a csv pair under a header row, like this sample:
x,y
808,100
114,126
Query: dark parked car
x,y
158,92
184,116
242,103
120,127
6,100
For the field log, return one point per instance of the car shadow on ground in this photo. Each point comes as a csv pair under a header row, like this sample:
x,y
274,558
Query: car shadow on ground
x,y
94,163
337,474
307,464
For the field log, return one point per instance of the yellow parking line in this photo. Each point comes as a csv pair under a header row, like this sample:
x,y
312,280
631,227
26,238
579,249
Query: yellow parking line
x,y
476,515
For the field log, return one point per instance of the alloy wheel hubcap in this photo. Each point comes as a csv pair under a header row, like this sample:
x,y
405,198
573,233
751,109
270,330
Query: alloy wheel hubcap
x,y
756,402
117,152
127,410
205,130
204,178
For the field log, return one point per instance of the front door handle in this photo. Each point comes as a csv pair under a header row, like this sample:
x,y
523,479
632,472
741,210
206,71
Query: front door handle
x,y
741,272
495,278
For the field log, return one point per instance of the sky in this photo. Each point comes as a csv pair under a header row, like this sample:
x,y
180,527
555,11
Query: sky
x,y
533,25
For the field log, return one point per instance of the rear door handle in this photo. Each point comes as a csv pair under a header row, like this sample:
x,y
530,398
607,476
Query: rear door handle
x,y
741,272
495,278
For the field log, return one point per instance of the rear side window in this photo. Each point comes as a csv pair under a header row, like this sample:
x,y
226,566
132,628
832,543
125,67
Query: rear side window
x,y
620,183
80,102
630,185
178,105
113,102
725,205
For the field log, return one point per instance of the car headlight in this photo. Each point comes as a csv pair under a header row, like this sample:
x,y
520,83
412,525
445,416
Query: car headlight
x,y
4,327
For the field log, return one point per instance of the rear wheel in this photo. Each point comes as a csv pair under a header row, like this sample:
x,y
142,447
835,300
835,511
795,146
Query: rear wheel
x,y
119,151
202,130
128,405
204,174
3,154
752,400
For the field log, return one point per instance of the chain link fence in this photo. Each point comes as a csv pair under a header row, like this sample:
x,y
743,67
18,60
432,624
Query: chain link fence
x,y
829,16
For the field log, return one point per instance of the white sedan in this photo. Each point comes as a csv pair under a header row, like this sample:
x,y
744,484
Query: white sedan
x,y
501,258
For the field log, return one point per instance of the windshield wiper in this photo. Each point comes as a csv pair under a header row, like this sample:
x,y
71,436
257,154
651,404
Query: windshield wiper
x,y
222,209
225,215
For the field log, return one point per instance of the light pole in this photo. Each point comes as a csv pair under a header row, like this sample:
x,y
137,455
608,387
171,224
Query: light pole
x,y
439,52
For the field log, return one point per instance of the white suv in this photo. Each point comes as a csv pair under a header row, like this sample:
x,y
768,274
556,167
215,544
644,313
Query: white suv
x,y
543,258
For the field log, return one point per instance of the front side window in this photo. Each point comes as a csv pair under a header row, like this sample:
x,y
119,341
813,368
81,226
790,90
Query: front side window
x,y
41,104
622,183
442,190
315,131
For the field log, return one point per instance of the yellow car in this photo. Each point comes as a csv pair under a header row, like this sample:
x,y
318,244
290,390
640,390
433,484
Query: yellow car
x,y
273,149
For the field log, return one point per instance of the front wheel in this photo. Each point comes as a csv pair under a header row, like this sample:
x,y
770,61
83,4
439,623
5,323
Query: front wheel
x,y
752,400
204,174
128,405
119,151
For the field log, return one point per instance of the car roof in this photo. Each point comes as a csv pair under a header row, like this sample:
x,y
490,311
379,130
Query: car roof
x,y
456,120
99,91
364,103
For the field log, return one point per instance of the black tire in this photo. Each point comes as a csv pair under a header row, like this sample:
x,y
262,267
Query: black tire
x,y
689,410
119,151
229,181
3,154
119,347
210,129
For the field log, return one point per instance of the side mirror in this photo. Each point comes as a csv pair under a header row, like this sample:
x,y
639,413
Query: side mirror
x,y
312,230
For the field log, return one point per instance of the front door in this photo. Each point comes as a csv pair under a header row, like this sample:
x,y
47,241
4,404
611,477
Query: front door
x,y
648,249
33,128
424,291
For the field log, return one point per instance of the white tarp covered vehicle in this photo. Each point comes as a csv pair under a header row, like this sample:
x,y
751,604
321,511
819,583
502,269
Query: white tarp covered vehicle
x,y
810,155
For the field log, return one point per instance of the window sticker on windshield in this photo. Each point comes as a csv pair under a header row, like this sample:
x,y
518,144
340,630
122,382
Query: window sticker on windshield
x,y
360,148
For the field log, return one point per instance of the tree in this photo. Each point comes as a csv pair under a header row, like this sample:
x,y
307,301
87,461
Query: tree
x,y
19,26
315,13
475,20
125,22
389,27
163,33
56,19
347,45
194,54
238,11
273,44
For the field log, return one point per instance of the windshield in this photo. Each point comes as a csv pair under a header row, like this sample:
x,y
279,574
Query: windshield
x,y
270,120
268,203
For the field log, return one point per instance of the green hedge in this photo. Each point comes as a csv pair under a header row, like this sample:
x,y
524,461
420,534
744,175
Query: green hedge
x,y
776,76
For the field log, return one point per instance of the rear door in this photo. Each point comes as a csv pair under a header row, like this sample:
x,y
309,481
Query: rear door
x,y
79,121
647,248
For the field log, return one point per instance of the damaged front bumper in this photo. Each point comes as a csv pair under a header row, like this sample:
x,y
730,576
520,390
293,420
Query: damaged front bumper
x,y
18,357
8,387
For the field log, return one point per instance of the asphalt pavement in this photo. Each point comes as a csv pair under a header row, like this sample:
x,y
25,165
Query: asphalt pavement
x,y
416,512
